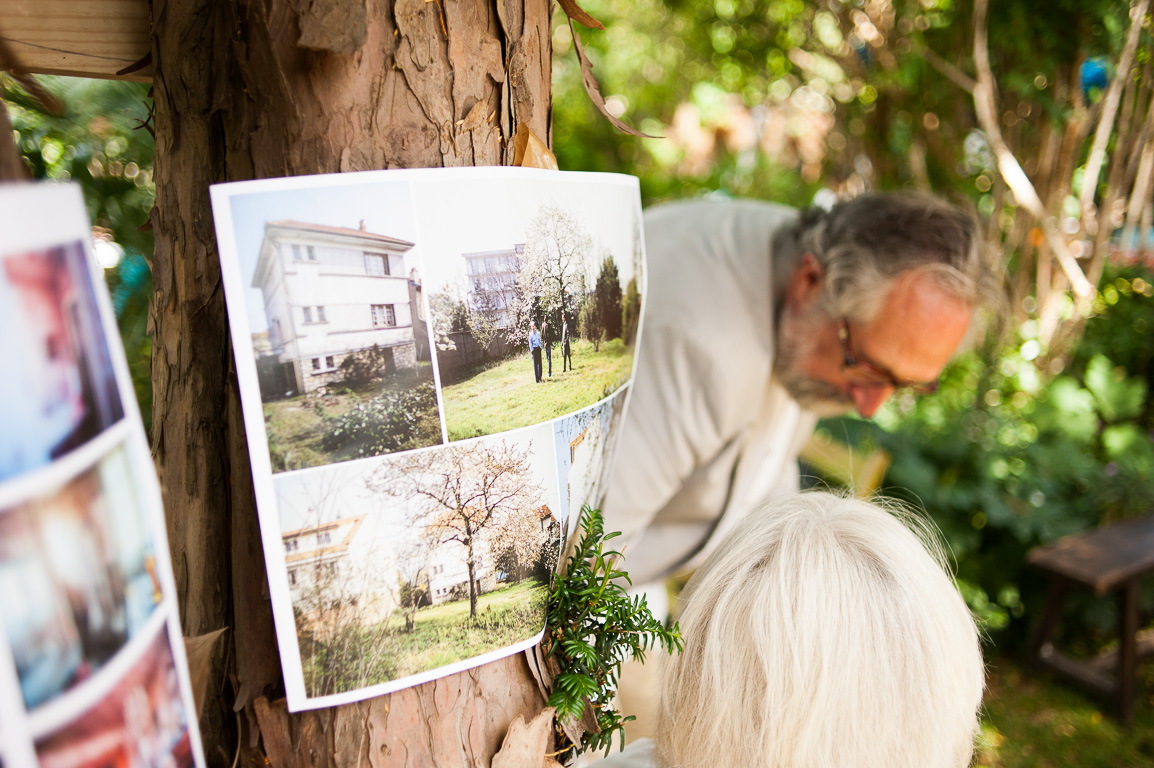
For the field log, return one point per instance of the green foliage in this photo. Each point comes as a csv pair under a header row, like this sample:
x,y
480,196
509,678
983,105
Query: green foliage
x,y
607,300
364,366
630,312
593,626
100,142
381,424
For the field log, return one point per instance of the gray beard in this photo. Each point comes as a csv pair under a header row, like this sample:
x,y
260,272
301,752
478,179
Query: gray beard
x,y
794,345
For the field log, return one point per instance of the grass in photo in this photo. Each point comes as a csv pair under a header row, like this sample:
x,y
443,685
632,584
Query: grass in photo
x,y
504,394
418,561
535,313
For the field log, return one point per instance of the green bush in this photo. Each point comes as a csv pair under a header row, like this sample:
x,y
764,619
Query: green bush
x,y
364,366
380,424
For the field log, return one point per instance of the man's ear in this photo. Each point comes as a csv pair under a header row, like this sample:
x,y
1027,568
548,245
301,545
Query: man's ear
x,y
805,282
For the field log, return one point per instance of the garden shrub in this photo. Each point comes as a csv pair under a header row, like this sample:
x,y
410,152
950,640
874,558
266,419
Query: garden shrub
x,y
362,367
381,424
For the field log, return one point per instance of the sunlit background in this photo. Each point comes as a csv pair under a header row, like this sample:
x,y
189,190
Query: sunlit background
x,y
1043,431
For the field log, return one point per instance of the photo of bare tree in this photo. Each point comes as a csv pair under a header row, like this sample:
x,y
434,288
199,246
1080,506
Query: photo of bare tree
x,y
424,561
535,297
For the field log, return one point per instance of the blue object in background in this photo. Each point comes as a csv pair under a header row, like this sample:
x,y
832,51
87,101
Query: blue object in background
x,y
1094,74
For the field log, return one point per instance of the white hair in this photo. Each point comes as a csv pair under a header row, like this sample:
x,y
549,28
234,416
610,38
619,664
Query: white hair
x,y
823,632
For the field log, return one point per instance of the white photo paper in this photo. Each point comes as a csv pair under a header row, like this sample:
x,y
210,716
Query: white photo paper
x,y
432,367
92,665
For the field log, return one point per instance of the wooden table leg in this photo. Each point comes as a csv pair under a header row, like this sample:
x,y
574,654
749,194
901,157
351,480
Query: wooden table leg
x,y
1055,601
1127,649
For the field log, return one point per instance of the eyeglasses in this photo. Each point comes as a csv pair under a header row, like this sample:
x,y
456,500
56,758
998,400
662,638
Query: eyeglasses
x,y
861,373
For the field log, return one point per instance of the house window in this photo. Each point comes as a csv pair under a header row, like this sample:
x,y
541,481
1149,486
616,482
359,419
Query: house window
x,y
324,537
296,253
312,253
383,315
376,265
308,314
290,545
293,577
316,364
330,362
321,315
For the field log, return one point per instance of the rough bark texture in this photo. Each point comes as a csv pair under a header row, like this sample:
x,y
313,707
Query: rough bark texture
x,y
262,88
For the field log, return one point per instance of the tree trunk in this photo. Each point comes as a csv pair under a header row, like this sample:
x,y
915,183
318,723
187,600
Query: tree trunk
x,y
471,566
263,88
12,165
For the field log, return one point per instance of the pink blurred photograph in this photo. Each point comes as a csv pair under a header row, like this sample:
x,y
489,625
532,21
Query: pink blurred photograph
x,y
63,393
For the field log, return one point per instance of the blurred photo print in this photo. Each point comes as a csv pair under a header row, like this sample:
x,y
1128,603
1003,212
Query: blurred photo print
x,y
63,391
142,722
78,575
88,602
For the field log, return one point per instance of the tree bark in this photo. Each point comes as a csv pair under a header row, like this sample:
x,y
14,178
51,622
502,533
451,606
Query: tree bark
x,y
12,165
263,88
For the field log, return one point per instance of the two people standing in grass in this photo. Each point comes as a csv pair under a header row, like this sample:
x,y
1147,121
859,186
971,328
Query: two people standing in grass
x,y
535,349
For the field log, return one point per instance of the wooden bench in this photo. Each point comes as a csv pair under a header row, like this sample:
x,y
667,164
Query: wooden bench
x,y
1105,559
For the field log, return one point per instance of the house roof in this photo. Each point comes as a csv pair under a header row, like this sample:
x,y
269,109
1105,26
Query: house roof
x,y
330,549
543,511
329,230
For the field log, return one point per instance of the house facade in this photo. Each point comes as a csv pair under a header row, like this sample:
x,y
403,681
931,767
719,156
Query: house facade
x,y
333,564
330,292
449,574
492,277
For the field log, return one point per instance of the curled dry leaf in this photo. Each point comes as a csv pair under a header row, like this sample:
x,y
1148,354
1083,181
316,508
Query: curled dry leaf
x,y
530,152
594,90
525,745
200,652
475,119
578,14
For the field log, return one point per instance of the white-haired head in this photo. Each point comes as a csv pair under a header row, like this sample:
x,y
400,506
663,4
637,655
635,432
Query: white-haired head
x,y
823,632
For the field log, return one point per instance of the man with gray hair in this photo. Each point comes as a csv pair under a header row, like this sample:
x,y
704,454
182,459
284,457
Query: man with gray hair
x,y
758,321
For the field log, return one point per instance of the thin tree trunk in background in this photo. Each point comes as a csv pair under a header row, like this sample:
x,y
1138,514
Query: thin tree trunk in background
x,y
12,165
264,88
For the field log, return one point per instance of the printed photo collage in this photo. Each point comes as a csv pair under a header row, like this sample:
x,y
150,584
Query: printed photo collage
x,y
432,365
92,666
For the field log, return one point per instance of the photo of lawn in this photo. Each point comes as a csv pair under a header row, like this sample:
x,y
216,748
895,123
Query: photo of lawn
x,y
441,635
504,396
396,413
409,566
535,301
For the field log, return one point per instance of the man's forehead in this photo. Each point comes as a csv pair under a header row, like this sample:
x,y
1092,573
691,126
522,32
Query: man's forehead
x,y
917,330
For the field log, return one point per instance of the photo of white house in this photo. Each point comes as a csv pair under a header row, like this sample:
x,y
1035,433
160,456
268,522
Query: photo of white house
x,y
331,301
404,563
329,292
